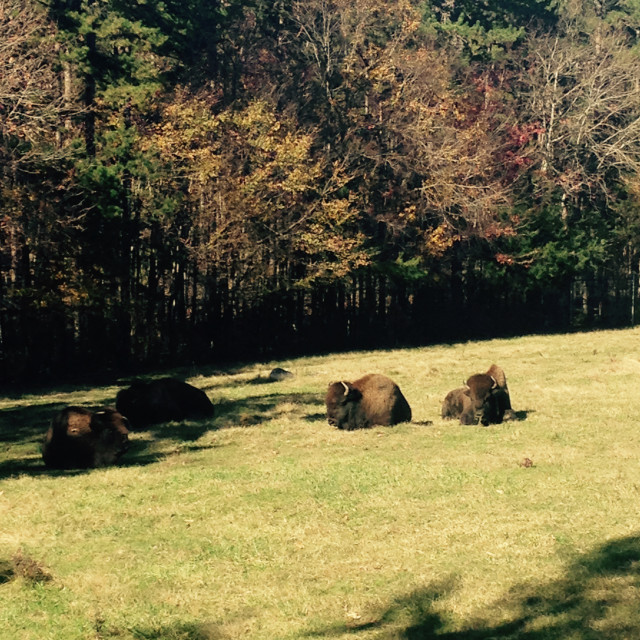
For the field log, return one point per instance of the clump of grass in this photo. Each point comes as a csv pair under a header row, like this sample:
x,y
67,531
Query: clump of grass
x,y
28,568
21,565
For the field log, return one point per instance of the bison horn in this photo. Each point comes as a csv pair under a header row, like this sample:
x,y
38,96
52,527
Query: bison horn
x,y
346,388
495,382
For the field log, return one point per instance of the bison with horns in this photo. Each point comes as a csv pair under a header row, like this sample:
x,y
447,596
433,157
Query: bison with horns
x,y
80,439
162,400
484,398
373,399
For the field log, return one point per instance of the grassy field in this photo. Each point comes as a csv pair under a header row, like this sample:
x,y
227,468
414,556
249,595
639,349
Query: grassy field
x,y
266,523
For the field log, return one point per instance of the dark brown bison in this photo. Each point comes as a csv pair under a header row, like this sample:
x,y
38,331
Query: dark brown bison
x,y
80,439
373,399
162,400
484,398
498,375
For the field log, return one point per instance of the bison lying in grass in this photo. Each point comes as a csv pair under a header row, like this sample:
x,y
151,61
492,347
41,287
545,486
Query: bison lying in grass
x,y
80,439
484,398
162,400
373,399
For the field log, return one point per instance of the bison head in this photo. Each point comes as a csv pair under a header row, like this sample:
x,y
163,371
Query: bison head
x,y
342,400
487,400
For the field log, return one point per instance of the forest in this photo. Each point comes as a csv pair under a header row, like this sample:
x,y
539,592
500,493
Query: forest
x,y
203,181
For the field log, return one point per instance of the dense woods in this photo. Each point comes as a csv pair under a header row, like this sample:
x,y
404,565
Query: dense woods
x,y
197,181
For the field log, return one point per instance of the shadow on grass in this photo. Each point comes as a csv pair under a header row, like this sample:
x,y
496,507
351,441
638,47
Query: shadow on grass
x,y
33,466
416,607
217,377
597,599
322,417
22,431
194,631
27,424
257,409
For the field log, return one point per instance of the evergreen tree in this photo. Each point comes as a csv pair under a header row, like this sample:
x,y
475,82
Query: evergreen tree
x,y
490,28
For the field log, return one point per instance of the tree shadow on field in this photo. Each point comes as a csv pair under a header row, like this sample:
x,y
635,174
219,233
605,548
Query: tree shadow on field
x,y
256,409
33,466
216,377
417,607
22,430
597,599
193,631
27,424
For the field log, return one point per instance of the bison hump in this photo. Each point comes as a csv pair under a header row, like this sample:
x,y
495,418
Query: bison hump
x,y
382,400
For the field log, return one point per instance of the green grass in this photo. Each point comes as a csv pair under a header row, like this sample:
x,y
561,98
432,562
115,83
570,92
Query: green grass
x,y
266,523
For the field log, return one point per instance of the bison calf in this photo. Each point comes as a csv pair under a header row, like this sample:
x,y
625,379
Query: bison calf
x,y
457,404
373,399
162,400
80,439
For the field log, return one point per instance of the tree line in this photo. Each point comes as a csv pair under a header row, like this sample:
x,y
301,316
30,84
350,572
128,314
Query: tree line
x,y
196,181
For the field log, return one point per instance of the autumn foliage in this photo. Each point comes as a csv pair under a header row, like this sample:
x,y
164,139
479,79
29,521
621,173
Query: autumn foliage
x,y
245,179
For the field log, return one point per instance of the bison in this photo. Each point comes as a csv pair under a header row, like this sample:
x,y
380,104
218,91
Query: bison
x,y
484,398
162,400
79,438
498,375
457,404
370,400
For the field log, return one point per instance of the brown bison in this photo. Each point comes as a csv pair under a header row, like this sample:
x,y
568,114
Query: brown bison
x,y
498,375
162,400
373,399
484,398
457,404
81,439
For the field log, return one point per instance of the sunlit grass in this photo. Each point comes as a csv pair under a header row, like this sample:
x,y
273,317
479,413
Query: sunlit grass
x,y
266,523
